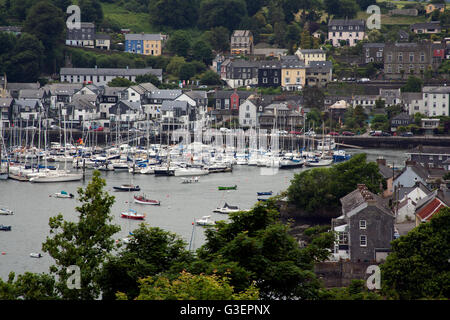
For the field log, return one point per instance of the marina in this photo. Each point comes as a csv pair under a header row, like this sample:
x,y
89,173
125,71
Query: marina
x,y
179,204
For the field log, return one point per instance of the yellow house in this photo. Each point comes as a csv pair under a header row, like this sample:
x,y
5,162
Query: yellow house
x,y
293,75
435,6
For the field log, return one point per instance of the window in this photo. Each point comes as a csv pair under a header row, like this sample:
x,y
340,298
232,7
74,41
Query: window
x,y
363,241
362,224
275,80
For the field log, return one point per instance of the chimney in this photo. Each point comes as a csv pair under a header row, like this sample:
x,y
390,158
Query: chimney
x,y
381,161
409,163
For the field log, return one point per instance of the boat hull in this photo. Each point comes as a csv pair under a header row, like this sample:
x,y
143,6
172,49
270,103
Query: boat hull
x,y
147,202
62,178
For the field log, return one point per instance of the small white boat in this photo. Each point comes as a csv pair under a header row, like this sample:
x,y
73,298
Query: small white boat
x,y
6,212
227,209
189,180
35,255
205,221
63,195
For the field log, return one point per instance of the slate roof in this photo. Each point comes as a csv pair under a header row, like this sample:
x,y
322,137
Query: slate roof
x,y
171,105
145,36
110,71
165,94
360,196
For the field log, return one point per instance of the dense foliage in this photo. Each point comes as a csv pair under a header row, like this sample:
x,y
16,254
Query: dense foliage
x,y
318,190
418,266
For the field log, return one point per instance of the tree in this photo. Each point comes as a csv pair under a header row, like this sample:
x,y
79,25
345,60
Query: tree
x,y
218,38
210,78
179,43
174,65
255,247
191,287
187,71
225,13
148,78
417,266
151,252
45,21
201,51
317,191
23,63
341,8
86,243
413,84
91,11
380,122
174,13
120,82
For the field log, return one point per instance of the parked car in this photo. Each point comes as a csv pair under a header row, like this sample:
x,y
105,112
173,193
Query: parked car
x,y
310,133
407,134
55,127
347,133
295,132
333,133
386,134
376,133
134,130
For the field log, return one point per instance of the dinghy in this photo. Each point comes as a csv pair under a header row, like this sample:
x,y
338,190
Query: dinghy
x,y
227,188
63,194
127,187
5,228
205,221
6,212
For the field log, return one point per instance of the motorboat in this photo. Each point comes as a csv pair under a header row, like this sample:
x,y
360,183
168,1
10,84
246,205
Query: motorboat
x,y
318,162
57,177
227,209
35,255
227,188
127,187
264,193
132,214
185,172
120,166
5,228
6,212
291,162
64,195
142,199
205,221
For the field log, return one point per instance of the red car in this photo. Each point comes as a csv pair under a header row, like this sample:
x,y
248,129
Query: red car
x,y
334,133
99,128
348,133
295,132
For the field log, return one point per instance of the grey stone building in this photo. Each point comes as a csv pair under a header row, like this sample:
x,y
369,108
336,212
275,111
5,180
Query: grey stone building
x,y
319,73
372,52
365,229
83,36
404,59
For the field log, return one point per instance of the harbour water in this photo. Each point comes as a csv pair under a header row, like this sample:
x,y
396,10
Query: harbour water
x,y
180,205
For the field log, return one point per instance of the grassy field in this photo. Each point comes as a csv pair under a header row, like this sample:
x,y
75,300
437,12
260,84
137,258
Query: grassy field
x,y
137,22
401,4
394,20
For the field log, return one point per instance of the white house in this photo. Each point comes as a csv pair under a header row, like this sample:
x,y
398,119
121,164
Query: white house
x,y
436,101
248,114
408,197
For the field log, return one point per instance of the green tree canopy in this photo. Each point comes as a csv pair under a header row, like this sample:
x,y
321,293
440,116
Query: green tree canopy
x,y
174,13
191,287
418,266
179,43
150,252
86,243
224,13
413,84
120,82
317,191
